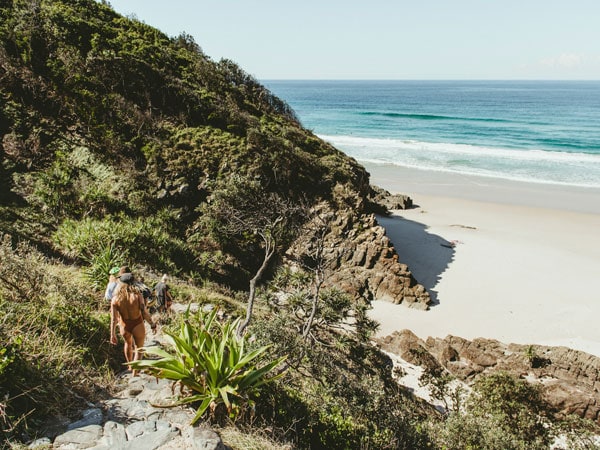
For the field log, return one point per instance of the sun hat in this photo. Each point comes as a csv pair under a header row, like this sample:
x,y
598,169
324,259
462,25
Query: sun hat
x,y
114,270
126,278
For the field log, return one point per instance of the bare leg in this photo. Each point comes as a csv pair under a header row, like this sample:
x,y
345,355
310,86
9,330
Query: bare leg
x,y
128,346
139,335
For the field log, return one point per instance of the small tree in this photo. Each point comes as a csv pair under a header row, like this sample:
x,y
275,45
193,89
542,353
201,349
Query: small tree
x,y
328,306
439,382
315,262
246,215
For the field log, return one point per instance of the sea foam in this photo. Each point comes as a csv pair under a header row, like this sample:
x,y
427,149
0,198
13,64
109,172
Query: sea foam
x,y
539,166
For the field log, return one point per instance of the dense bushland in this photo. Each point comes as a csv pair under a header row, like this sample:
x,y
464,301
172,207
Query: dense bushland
x,y
107,123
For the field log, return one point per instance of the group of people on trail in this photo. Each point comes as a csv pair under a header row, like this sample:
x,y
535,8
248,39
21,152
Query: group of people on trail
x,y
129,307
160,297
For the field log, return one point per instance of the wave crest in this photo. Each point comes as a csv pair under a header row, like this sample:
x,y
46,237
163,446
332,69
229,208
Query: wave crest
x,y
430,117
542,166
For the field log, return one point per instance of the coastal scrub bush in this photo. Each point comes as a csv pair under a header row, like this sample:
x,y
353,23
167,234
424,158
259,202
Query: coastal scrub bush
x,y
78,184
502,412
143,240
516,402
212,365
338,393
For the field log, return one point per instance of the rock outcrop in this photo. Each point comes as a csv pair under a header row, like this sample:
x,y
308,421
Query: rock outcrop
x,y
571,378
359,257
390,201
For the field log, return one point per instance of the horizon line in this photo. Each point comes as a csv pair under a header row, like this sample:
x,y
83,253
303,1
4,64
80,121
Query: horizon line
x,y
432,79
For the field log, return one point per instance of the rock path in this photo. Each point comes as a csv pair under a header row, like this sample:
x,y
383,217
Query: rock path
x,y
129,421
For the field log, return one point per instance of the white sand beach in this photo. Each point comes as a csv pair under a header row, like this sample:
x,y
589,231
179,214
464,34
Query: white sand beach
x,y
524,268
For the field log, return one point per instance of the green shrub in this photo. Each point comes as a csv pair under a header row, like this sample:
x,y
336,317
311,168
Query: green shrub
x,y
78,184
212,364
338,393
518,404
502,412
101,263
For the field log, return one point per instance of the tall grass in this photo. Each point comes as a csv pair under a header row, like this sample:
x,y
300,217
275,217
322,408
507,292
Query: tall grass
x,y
53,340
113,240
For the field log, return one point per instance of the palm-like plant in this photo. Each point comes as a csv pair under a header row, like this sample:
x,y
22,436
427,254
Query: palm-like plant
x,y
212,362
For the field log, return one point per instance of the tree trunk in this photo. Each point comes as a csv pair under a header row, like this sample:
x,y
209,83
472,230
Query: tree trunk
x,y
318,282
269,252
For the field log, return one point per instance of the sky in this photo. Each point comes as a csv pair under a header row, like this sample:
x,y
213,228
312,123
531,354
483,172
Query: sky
x,y
388,39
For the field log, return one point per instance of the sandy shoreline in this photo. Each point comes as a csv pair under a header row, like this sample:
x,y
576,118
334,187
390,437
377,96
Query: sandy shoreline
x,y
525,266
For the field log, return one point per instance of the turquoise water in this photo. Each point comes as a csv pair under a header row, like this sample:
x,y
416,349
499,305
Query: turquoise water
x,y
533,131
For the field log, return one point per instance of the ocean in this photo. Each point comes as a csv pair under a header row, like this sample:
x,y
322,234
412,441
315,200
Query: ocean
x,y
531,131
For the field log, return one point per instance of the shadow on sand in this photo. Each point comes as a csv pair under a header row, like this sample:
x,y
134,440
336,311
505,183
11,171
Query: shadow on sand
x,y
427,255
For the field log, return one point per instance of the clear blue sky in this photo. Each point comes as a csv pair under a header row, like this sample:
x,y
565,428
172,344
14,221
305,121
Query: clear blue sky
x,y
388,39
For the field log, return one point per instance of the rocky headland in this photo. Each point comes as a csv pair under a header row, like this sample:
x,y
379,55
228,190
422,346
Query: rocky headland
x,y
358,256
571,378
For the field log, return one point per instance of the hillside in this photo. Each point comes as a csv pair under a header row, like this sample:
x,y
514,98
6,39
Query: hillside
x,y
109,125
123,146
102,115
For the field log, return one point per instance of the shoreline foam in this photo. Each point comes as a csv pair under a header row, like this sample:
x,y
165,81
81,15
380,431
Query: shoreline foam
x,y
508,261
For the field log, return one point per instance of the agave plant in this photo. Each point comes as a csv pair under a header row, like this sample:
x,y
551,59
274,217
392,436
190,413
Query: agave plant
x,y
213,364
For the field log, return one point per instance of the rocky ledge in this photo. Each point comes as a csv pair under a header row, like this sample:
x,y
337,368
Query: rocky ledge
x,y
359,257
571,378
390,201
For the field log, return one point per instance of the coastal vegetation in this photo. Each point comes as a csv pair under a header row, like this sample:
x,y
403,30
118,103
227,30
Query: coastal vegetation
x,y
207,357
123,146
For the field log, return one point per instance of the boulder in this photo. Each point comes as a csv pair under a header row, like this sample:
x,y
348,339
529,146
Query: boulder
x,y
390,201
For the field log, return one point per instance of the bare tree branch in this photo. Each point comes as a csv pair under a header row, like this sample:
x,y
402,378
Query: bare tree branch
x,y
244,212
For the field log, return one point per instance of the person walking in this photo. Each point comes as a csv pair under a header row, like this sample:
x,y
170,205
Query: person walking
x,y
112,283
128,311
144,289
164,299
